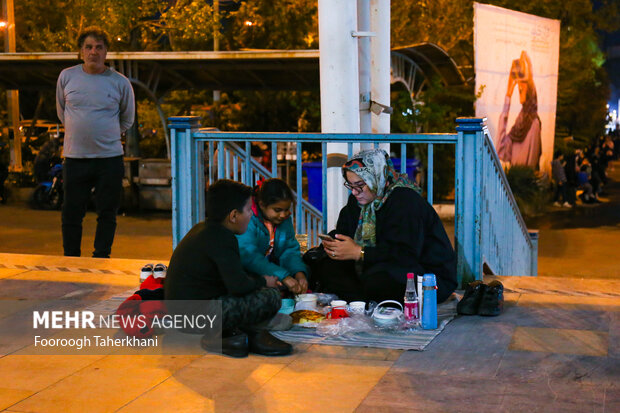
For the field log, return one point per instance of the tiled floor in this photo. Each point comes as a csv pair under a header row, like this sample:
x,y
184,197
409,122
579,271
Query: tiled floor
x,y
555,347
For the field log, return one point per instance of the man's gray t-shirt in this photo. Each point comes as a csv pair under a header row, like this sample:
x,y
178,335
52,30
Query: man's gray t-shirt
x,y
95,110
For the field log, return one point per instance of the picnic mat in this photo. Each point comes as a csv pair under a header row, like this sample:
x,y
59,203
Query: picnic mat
x,y
410,340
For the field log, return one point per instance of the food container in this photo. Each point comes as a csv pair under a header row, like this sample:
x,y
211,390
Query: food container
x,y
387,316
306,302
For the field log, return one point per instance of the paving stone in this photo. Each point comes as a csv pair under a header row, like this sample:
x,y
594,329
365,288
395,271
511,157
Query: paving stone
x,y
614,335
564,341
105,385
34,373
480,349
570,303
9,272
528,366
552,396
612,398
418,392
554,318
317,384
9,397
213,383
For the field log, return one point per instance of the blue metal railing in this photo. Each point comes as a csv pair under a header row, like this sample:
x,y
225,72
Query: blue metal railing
x,y
489,228
233,164
502,221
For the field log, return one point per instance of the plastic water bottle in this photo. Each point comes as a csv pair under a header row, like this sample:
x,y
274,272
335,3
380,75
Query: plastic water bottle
x,y
411,300
429,316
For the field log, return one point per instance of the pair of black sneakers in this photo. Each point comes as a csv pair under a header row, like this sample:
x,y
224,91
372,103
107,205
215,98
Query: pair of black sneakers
x,y
482,299
238,343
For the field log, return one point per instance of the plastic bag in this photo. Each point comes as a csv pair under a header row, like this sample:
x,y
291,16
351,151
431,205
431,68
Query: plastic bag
x,y
340,326
325,299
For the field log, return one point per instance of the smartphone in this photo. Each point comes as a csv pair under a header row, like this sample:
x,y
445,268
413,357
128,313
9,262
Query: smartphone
x,y
326,237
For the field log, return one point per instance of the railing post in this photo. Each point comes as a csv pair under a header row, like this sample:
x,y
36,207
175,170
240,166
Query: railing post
x,y
468,179
187,167
534,257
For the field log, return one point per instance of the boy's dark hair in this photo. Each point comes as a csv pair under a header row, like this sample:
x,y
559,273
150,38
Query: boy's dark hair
x,y
273,190
96,32
557,154
225,195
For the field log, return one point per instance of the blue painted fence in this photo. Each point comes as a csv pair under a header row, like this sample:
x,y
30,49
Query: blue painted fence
x,y
489,228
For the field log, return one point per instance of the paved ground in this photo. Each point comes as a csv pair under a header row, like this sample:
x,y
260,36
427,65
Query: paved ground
x,y
556,347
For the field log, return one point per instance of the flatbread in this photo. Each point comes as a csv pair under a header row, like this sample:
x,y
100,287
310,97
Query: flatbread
x,y
307,317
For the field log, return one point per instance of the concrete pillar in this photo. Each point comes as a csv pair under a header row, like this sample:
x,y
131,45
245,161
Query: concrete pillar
x,y
338,61
363,45
380,62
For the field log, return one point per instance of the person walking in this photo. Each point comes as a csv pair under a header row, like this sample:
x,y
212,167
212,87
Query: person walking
x,y
95,104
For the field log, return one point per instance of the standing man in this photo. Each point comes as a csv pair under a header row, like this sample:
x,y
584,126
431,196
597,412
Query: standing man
x,y
96,105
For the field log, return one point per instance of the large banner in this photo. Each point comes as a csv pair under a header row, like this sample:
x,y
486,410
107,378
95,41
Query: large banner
x,y
516,63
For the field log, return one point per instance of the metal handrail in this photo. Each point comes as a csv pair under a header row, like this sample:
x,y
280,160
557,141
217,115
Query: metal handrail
x,y
307,208
488,142
475,239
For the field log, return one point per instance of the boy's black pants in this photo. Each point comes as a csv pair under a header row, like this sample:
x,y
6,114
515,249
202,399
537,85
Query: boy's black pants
x,y
80,176
250,309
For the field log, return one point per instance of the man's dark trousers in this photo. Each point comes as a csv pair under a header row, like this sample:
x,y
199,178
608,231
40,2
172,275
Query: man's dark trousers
x,y
80,176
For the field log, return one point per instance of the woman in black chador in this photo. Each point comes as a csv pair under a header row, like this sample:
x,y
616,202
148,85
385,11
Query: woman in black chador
x,y
385,231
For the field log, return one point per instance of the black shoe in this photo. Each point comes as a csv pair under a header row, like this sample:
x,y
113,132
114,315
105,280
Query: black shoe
x,y
263,343
471,299
493,299
233,343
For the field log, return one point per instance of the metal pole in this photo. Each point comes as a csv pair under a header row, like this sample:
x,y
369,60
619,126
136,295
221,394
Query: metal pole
x,y
12,95
338,64
216,39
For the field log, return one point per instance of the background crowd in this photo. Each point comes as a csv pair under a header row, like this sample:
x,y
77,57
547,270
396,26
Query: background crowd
x,y
582,174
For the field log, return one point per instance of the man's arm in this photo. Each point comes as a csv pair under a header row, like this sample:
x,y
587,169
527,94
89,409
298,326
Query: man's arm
x,y
60,99
127,107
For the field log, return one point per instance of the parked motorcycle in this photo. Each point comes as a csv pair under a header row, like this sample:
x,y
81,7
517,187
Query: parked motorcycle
x,y
49,193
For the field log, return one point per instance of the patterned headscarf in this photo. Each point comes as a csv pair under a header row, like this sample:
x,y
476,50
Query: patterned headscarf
x,y
376,169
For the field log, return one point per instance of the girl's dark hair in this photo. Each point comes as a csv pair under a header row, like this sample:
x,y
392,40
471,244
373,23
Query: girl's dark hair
x,y
273,190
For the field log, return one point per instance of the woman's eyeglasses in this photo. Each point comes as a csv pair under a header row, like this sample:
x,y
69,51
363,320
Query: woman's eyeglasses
x,y
357,187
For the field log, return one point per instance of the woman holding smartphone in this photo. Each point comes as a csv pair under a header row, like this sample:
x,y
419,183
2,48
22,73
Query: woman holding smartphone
x,y
385,231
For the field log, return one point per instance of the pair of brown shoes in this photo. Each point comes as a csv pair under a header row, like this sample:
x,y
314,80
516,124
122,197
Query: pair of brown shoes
x,y
482,299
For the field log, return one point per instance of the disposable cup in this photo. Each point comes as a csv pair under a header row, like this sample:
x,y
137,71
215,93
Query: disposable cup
x,y
357,307
338,304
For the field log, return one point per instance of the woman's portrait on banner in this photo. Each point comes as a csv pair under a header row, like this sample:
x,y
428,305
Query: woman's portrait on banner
x,y
521,144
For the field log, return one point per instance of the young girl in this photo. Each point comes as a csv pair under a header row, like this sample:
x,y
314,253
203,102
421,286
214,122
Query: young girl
x,y
269,246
